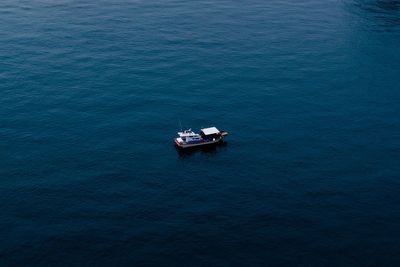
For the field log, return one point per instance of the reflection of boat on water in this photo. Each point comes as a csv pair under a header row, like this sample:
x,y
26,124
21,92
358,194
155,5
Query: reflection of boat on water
x,y
207,136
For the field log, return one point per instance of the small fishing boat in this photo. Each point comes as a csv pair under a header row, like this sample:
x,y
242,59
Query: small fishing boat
x,y
207,136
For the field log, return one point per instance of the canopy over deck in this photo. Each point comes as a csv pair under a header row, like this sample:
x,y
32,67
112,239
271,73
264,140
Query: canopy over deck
x,y
211,130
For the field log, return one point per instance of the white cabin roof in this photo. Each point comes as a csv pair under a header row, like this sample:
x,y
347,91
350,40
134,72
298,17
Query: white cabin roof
x,y
211,130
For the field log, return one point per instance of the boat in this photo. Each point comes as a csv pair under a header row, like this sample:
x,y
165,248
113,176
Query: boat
x,y
207,136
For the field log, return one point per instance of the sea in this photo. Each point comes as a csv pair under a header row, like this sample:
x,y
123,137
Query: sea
x,y
92,93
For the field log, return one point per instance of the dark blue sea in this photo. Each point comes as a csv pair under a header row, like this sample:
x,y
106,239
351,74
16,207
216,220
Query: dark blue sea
x,y
92,93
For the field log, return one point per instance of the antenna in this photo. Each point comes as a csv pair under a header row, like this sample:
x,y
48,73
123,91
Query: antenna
x,y
180,124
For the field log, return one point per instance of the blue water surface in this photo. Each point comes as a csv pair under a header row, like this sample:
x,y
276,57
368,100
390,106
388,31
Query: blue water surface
x,y
91,95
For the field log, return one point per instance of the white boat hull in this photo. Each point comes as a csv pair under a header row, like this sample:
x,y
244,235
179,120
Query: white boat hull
x,y
205,143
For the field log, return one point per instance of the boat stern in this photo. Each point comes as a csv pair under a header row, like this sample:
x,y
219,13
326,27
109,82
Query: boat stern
x,y
224,133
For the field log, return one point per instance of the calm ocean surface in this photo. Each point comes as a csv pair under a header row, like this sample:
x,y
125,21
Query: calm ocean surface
x,y
91,94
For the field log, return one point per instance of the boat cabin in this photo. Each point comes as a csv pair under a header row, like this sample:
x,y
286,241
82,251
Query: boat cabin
x,y
189,136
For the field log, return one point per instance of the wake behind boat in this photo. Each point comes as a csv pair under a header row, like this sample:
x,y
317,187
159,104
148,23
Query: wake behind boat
x,y
207,136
